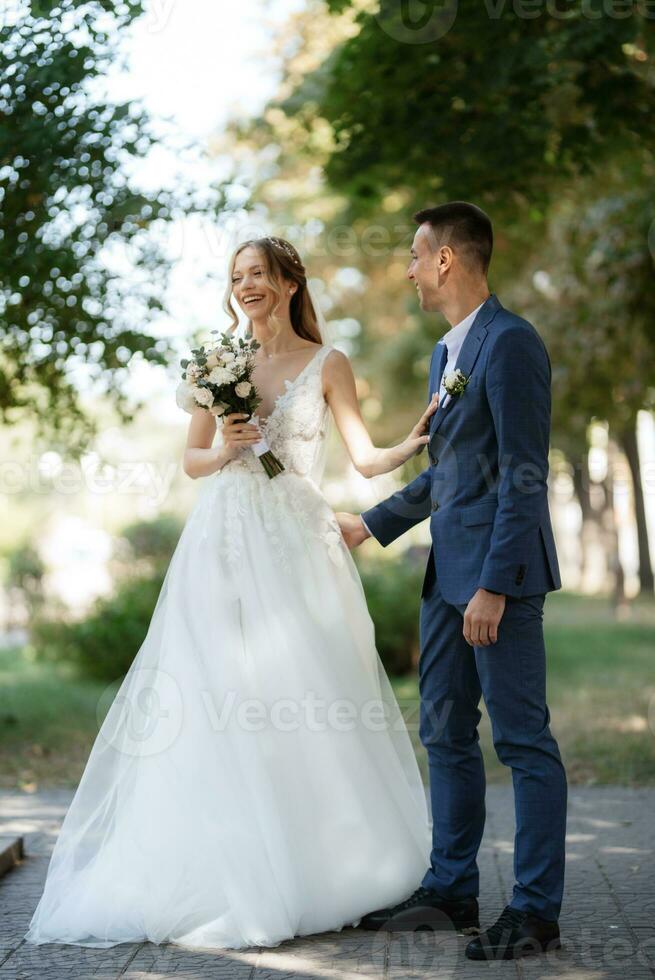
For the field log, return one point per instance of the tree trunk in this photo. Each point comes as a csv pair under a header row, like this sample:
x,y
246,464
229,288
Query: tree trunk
x,y
611,531
627,438
581,480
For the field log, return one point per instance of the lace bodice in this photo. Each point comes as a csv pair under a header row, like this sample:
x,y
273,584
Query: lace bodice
x,y
241,496
296,428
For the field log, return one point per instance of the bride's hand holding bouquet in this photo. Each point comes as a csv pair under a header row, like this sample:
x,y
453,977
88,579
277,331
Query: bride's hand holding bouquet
x,y
220,381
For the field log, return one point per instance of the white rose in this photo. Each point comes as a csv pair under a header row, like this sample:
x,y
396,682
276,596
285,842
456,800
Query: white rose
x,y
243,389
193,371
203,396
218,409
220,376
455,382
212,360
228,357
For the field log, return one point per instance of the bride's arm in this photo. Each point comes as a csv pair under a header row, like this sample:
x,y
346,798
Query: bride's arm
x,y
203,459
341,394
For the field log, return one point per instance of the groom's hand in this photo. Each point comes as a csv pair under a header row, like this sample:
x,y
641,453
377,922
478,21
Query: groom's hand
x,y
483,614
352,528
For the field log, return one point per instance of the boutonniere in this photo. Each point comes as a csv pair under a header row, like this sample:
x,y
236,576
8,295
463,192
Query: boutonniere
x,y
455,382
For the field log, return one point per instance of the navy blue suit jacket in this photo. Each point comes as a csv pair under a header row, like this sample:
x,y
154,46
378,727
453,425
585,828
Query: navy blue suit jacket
x,y
485,489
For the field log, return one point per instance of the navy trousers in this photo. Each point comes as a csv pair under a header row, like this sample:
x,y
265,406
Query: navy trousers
x,y
511,676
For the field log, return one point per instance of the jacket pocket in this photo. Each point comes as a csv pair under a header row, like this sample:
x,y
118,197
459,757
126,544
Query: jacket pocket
x,y
482,513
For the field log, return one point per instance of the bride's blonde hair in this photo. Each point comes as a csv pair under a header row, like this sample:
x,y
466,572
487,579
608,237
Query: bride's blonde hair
x,y
281,262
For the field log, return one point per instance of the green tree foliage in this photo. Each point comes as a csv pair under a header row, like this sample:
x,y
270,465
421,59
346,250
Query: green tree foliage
x,y
82,268
104,644
24,579
507,101
153,540
591,294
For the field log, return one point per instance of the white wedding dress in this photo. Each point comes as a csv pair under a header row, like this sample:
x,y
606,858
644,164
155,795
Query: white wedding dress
x,y
253,779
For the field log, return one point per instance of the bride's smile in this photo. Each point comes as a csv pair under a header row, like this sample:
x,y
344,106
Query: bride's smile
x,y
254,291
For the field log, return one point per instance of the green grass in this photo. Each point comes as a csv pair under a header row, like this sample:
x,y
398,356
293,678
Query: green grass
x,y
601,694
600,691
47,722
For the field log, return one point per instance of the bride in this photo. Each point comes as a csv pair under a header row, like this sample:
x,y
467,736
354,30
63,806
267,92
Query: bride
x,y
253,779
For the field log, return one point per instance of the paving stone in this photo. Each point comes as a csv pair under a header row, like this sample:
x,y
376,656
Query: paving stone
x,y
607,921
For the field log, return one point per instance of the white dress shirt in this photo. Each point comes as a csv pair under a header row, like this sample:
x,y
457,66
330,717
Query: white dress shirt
x,y
453,341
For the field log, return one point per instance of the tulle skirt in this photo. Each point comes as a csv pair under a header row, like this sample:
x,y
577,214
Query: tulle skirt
x,y
253,779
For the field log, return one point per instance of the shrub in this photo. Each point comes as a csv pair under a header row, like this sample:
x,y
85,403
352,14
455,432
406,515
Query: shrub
x,y
104,644
393,593
155,539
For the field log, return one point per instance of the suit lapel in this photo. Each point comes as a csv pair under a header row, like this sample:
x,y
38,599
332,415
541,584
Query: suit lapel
x,y
468,354
435,380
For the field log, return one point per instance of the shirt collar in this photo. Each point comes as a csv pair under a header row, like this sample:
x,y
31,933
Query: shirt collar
x,y
457,333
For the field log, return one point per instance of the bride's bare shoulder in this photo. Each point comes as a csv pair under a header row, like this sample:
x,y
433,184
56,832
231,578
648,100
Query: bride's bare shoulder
x,y
337,370
336,360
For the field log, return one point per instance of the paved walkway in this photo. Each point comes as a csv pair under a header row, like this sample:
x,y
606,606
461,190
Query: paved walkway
x,y
607,923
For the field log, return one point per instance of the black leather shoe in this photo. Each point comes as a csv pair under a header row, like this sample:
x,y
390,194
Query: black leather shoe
x,y
515,934
426,909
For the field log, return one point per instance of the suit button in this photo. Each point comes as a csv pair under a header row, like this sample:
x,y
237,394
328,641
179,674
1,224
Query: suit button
x,y
435,506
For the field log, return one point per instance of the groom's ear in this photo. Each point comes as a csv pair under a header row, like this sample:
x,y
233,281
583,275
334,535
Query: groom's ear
x,y
445,257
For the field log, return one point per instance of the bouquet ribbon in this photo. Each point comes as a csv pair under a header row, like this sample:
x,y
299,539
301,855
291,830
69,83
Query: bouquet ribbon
x,y
262,451
262,446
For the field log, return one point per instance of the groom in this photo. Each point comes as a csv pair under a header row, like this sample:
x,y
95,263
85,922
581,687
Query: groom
x,y
491,563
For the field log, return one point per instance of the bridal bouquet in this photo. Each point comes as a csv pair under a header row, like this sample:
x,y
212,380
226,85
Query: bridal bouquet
x,y
218,379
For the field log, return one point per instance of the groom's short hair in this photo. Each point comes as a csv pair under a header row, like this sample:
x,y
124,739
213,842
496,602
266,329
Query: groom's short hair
x,y
465,227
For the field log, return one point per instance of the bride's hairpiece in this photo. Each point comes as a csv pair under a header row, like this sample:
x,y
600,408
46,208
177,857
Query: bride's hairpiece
x,y
286,247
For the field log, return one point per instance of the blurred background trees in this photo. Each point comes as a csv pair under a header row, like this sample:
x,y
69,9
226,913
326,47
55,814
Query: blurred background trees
x,y
83,246
541,116
544,121
540,113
